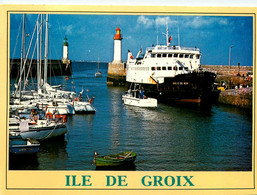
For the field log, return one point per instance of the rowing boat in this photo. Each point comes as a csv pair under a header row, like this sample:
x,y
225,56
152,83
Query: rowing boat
x,y
124,158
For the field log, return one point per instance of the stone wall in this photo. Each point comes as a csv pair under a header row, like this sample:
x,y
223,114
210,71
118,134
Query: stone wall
x,y
237,97
225,70
116,74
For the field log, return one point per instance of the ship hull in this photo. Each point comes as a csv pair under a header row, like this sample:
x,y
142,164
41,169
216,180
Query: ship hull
x,y
196,87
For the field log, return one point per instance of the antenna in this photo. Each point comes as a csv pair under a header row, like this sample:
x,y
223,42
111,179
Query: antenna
x,y
178,34
157,34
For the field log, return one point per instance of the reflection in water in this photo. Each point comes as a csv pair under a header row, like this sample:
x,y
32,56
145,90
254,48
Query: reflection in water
x,y
23,162
115,119
53,154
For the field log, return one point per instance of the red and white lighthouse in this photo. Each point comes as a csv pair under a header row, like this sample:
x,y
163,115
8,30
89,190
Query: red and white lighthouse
x,y
117,46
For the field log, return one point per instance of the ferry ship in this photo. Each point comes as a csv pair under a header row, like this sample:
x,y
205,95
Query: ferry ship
x,y
171,73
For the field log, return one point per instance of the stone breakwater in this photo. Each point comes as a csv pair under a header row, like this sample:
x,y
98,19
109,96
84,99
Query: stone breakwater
x,y
225,70
241,97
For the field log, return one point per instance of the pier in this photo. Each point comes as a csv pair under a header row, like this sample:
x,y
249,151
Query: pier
x,y
237,81
116,74
55,67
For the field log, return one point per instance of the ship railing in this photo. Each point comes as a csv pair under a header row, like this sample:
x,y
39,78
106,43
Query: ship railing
x,y
172,48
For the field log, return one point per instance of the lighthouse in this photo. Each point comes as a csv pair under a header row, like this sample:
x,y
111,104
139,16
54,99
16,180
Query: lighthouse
x,y
116,74
65,51
117,46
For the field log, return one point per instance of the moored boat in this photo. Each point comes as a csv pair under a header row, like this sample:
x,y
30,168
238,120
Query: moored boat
x,y
146,102
53,125
83,107
120,159
18,145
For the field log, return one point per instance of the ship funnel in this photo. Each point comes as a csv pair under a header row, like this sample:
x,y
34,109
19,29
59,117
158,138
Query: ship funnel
x,y
130,56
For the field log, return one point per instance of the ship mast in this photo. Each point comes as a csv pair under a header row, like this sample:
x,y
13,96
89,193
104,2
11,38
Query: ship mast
x,y
167,37
178,36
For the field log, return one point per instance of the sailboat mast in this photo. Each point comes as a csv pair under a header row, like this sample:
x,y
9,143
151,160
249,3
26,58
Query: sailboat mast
x,y
98,63
22,53
40,49
38,77
46,51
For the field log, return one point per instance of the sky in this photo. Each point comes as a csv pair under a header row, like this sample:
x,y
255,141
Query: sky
x,y
90,36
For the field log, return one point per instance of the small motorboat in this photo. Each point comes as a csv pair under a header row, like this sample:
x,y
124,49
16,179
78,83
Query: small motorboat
x,y
18,145
134,101
120,159
136,97
83,107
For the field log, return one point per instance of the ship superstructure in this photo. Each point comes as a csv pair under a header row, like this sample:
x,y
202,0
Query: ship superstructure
x,y
160,62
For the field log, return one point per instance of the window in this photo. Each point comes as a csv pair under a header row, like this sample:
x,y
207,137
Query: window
x,y
164,68
191,56
153,68
197,56
186,68
159,55
169,55
175,68
164,55
158,68
180,68
152,55
169,68
175,55
186,55
181,55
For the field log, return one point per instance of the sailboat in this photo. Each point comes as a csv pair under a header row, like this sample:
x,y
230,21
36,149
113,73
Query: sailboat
x,y
98,73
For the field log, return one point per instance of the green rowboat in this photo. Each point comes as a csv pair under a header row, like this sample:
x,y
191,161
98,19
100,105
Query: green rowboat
x,y
120,159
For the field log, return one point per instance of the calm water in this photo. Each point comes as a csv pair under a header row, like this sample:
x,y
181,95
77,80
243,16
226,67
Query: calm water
x,y
168,138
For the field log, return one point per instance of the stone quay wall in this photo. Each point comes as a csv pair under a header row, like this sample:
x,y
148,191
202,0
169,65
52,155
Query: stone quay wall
x,y
225,70
241,97
116,74
240,90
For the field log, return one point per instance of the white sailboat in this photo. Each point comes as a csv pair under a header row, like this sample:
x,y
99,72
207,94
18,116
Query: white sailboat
x,y
98,73
41,129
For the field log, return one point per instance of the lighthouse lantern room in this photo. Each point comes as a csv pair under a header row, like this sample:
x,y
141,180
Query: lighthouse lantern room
x,y
117,46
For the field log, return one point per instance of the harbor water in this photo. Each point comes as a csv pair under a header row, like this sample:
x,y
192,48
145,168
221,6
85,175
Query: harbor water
x,y
166,138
